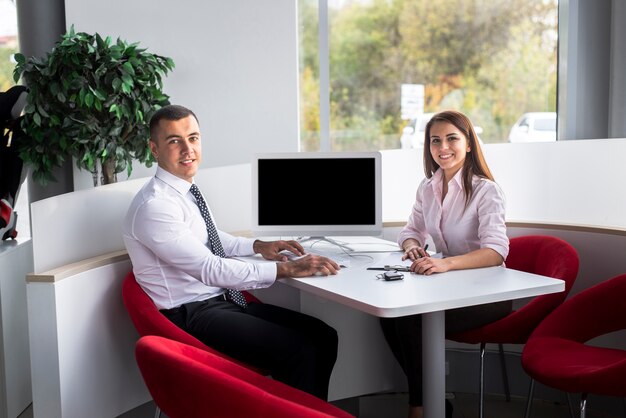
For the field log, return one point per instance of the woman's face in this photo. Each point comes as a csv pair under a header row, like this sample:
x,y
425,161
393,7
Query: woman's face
x,y
448,146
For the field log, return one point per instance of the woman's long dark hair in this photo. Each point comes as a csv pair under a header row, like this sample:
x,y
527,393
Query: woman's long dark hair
x,y
474,164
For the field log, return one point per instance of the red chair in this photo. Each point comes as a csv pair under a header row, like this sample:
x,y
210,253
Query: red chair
x,y
544,255
149,320
186,382
556,354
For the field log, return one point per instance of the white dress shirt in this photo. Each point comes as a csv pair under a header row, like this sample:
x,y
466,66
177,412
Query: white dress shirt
x,y
166,239
455,228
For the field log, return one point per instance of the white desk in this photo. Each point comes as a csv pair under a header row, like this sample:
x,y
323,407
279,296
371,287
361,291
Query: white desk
x,y
359,288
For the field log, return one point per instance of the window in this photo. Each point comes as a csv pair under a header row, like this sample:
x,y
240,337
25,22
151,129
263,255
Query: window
x,y
8,43
8,47
495,60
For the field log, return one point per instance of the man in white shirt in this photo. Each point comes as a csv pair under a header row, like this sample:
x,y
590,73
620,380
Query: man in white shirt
x,y
170,248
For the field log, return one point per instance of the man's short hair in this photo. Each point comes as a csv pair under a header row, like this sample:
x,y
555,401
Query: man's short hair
x,y
169,112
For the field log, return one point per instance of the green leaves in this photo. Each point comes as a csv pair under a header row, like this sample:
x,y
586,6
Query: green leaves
x,y
90,98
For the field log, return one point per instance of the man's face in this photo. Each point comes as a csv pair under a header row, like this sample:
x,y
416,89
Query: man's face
x,y
177,147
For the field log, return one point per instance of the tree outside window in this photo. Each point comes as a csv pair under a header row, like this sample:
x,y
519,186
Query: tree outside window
x,y
492,59
8,43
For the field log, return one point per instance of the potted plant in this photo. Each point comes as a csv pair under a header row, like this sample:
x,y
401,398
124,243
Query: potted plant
x,y
91,99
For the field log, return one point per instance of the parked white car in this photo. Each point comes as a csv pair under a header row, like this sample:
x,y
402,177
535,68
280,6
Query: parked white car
x,y
413,133
534,127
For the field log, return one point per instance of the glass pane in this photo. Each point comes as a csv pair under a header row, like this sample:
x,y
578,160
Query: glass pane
x,y
8,43
8,47
309,75
495,60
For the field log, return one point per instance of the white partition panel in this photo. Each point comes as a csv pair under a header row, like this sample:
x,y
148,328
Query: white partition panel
x,y
44,361
87,223
16,260
78,316
403,171
365,363
82,346
567,182
79,225
227,191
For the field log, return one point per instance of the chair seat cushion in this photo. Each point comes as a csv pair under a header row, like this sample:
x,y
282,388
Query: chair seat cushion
x,y
575,367
192,383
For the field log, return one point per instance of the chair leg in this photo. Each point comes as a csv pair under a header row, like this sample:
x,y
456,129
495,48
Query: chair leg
x,y
529,401
569,405
157,413
505,376
583,405
481,383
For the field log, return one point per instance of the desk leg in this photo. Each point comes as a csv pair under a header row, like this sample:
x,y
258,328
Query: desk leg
x,y
433,363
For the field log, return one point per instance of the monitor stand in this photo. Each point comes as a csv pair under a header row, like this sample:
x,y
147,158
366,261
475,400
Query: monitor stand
x,y
329,240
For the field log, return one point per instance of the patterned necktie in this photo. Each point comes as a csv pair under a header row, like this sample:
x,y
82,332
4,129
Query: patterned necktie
x,y
233,295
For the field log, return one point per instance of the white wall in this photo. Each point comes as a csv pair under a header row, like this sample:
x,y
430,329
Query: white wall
x,y
236,66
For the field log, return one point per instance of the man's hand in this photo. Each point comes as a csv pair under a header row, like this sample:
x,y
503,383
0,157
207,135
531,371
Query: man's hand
x,y
311,265
270,250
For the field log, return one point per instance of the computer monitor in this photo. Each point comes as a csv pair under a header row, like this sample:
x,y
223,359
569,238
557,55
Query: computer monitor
x,y
317,194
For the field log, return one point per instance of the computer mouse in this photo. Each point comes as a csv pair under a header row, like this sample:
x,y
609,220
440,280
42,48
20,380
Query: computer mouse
x,y
291,256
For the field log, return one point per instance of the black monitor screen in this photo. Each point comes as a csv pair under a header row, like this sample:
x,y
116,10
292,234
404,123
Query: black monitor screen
x,y
317,191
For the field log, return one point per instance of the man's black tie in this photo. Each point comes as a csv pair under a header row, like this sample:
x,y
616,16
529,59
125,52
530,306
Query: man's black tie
x,y
233,295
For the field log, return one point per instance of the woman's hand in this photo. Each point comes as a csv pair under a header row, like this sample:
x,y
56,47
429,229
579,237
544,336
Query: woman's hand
x,y
485,257
413,250
429,265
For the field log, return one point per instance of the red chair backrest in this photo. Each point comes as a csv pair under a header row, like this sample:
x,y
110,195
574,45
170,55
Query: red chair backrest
x,y
186,382
547,256
147,318
538,254
557,354
149,321
597,310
